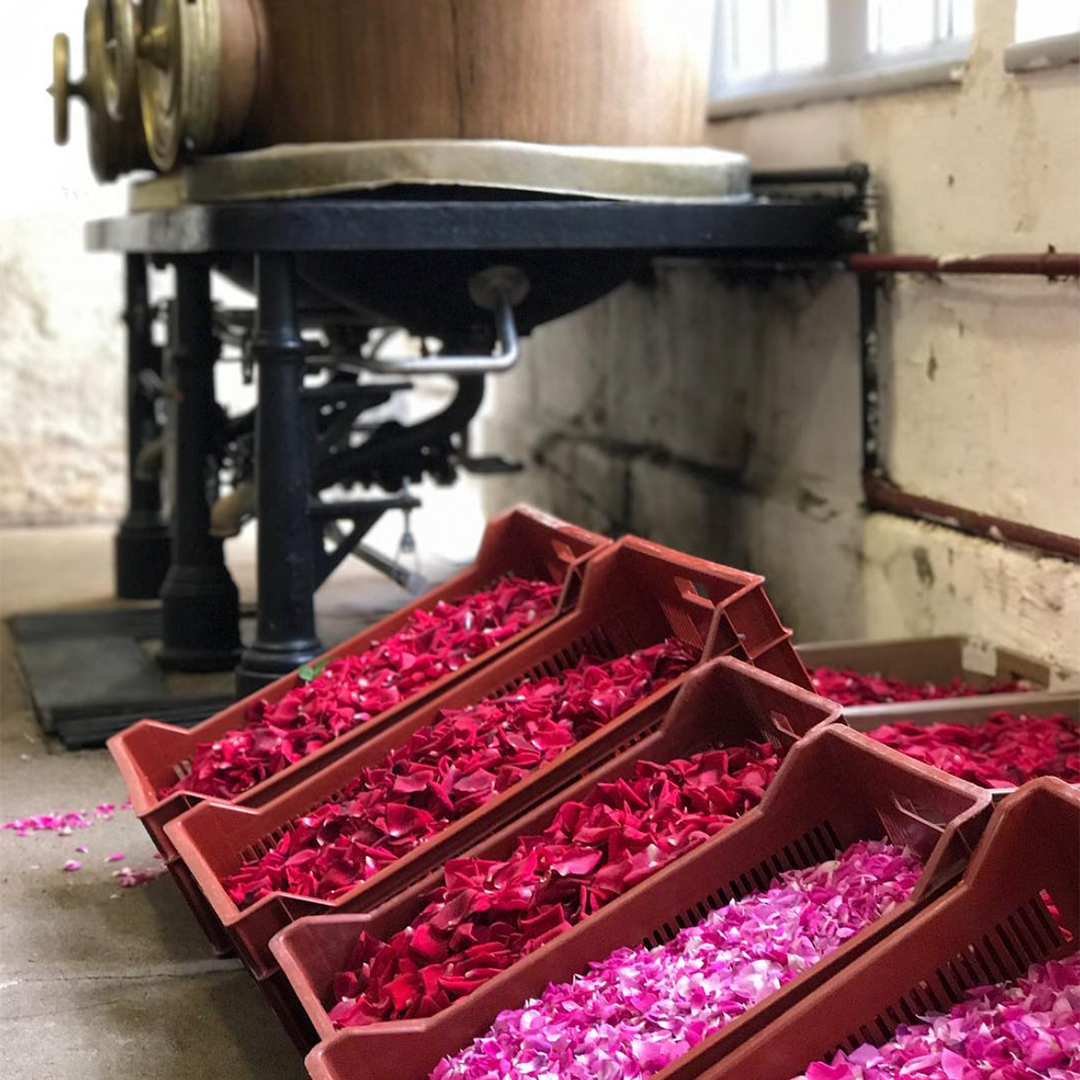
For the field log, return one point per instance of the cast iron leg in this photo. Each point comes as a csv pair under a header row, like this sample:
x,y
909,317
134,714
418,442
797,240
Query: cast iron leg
x,y
143,547
199,600
285,637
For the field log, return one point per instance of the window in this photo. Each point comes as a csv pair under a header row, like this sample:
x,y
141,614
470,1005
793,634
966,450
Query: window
x,y
1047,35
1037,19
782,52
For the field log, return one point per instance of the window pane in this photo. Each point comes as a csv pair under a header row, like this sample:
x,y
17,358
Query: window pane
x,y
1044,18
747,39
802,34
956,19
895,25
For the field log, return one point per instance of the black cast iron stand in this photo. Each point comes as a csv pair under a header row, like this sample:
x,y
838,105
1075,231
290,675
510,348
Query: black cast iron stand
x,y
285,635
143,545
200,605
414,256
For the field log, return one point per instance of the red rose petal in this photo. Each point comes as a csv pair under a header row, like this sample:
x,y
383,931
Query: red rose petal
x,y
1005,750
488,914
354,689
465,757
851,688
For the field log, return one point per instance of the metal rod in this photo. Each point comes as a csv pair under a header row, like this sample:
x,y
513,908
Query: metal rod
x,y
869,374
1050,264
200,603
384,564
342,510
510,353
285,636
857,173
143,549
881,494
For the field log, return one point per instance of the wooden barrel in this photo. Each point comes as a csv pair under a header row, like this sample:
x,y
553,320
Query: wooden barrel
x,y
251,73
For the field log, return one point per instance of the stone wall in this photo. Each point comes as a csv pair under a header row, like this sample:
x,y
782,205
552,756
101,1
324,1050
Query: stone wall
x,y
722,415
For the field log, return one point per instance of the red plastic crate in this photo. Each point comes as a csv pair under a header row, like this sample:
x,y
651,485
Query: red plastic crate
x,y
836,787
970,712
989,929
523,542
634,594
724,702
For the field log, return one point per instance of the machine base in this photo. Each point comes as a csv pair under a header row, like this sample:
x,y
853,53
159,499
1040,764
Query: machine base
x,y
142,559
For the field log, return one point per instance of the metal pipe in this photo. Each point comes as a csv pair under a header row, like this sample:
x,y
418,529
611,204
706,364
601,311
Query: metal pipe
x,y
857,173
1051,264
510,353
869,375
881,494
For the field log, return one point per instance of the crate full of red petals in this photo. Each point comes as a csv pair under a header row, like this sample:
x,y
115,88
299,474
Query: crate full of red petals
x,y
525,576
710,759
398,806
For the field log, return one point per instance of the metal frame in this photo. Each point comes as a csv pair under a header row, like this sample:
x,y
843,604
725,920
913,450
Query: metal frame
x,y
821,228
572,250
292,558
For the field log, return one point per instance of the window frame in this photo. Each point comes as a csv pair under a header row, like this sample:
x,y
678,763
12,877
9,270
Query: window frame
x,y
851,70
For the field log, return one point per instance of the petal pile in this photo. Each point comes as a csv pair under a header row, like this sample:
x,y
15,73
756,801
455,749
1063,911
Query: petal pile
x,y
639,1010
488,914
1006,750
449,769
1025,1030
63,822
354,689
849,688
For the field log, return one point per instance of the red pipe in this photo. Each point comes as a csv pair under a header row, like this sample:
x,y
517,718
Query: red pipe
x,y
883,495
1051,264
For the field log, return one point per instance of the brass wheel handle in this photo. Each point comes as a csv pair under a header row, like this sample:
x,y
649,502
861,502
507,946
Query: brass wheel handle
x,y
160,60
121,42
63,89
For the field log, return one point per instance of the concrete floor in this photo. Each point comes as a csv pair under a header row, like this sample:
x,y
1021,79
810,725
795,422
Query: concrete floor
x,y
98,982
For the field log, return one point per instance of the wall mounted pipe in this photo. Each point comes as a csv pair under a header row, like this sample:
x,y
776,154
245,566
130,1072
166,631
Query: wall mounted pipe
x,y
880,492
1051,264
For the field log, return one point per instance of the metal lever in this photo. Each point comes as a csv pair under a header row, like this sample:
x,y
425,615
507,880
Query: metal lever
x,y
499,290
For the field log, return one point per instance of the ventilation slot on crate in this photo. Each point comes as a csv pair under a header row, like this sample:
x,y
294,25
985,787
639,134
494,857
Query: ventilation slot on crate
x,y
684,625
267,843
757,879
1046,911
1028,936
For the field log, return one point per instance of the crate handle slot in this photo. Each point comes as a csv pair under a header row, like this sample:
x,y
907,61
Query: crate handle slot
x,y
779,726
696,593
908,826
